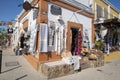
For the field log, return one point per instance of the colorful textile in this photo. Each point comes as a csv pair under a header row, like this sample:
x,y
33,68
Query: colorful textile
x,y
78,44
4,23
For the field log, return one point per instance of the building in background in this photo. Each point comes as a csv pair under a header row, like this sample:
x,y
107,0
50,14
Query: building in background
x,y
107,23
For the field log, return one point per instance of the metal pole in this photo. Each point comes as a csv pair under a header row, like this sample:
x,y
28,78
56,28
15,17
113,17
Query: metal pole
x,y
108,45
0,60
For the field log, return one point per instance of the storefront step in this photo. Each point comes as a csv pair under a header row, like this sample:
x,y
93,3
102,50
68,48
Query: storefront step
x,y
49,56
33,61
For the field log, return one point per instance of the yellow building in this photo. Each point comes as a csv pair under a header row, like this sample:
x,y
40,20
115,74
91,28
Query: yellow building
x,y
107,23
105,9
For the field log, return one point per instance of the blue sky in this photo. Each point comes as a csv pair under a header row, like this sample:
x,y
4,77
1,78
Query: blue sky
x,y
9,8
116,3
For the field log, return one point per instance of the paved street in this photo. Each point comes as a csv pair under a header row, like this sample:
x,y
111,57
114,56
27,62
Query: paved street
x,y
17,68
111,71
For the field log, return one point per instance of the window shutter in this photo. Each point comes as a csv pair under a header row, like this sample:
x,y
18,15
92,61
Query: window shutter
x,y
105,14
99,11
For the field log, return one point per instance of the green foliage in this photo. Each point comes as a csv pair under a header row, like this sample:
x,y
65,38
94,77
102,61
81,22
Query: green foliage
x,y
98,44
3,35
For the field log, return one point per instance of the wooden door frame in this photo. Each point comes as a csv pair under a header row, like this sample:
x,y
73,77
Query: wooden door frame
x,y
69,26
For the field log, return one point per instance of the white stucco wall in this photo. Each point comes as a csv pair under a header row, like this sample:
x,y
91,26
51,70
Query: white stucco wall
x,y
86,2
66,15
15,35
31,22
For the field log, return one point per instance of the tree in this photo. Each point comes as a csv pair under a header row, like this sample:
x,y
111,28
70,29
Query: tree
x,y
3,35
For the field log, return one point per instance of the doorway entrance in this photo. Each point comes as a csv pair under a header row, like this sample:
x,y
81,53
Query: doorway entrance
x,y
74,37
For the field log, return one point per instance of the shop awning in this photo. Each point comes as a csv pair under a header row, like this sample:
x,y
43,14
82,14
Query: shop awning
x,y
110,22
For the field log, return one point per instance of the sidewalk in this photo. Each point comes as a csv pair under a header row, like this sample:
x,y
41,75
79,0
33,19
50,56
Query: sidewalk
x,y
112,55
17,68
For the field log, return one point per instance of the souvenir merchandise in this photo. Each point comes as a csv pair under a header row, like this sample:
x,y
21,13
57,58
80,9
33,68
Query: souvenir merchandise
x,y
43,37
32,39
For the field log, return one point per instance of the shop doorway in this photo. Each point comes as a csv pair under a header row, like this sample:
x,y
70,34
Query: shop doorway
x,y
74,38
74,34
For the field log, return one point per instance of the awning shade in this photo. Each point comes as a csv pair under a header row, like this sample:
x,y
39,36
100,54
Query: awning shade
x,y
110,22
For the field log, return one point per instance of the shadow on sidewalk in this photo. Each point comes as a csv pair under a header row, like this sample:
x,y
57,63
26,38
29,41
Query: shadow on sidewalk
x,y
11,69
22,77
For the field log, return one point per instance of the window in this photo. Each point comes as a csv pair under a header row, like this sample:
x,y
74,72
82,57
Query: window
x,y
99,11
105,14
111,16
25,25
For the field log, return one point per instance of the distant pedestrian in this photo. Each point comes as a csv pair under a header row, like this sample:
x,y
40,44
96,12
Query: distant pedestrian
x,y
16,50
22,39
7,43
20,51
0,48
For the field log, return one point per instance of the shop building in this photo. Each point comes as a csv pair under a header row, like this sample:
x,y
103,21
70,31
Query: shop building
x,y
107,23
52,26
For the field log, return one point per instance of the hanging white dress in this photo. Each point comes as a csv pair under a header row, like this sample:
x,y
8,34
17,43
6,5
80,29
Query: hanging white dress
x,y
60,38
32,40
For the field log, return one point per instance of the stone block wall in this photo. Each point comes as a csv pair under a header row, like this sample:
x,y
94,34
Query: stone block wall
x,y
56,69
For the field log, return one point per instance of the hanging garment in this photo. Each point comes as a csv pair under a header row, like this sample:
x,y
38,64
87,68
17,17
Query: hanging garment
x,y
51,34
43,37
58,41
74,34
32,40
96,37
103,33
60,38
115,39
22,39
78,47
86,35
